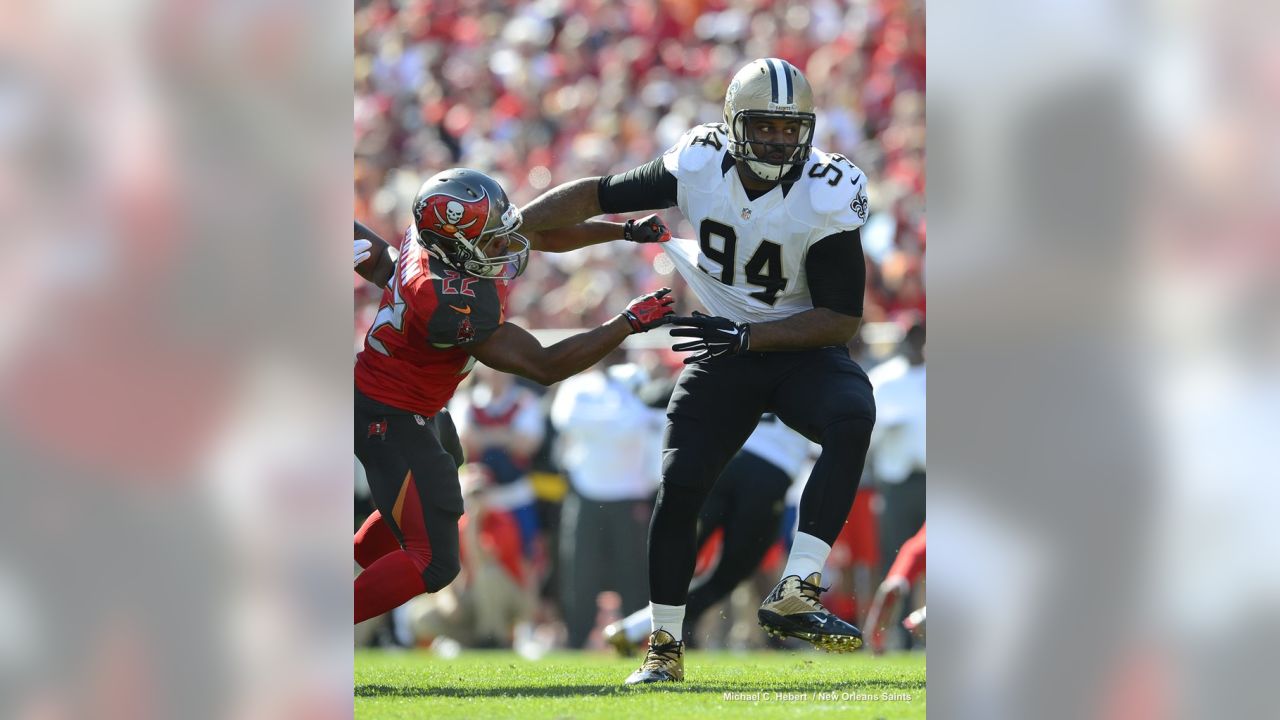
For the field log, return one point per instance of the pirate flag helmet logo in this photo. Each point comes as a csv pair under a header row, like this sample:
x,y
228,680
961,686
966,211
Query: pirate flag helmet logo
x,y
464,218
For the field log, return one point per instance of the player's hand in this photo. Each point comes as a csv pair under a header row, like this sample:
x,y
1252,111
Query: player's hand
x,y
363,250
649,229
715,336
649,311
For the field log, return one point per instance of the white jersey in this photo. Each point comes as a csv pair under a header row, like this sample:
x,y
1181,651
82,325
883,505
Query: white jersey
x,y
748,261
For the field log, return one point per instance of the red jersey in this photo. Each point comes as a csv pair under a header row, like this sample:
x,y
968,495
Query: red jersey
x,y
500,536
910,561
415,352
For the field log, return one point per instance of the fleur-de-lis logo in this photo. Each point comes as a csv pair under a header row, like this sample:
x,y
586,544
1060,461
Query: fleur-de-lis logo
x,y
859,205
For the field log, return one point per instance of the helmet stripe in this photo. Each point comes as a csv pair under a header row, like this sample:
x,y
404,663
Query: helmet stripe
x,y
778,71
786,73
773,79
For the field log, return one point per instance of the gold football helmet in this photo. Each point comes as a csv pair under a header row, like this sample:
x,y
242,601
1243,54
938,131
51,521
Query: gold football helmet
x,y
769,113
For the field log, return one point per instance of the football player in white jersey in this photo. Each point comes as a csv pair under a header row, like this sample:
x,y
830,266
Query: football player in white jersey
x,y
778,261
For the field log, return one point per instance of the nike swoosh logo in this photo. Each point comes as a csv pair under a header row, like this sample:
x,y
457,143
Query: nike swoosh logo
x,y
465,309
728,332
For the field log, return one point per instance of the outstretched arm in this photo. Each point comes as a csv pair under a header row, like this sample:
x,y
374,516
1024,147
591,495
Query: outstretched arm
x,y
565,204
648,187
577,236
645,230
513,349
380,263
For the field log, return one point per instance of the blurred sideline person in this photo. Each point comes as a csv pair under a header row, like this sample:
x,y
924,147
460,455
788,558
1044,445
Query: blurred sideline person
x,y
779,263
746,507
906,572
609,448
443,310
854,563
501,425
493,592
897,455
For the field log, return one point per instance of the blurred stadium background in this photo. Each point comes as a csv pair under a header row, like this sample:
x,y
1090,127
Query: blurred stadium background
x,y
175,359
544,92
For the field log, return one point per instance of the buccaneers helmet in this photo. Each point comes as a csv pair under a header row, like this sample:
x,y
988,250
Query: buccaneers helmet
x,y
464,218
769,89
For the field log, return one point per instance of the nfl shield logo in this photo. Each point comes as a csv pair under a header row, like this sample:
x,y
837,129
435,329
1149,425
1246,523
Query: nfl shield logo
x,y
746,213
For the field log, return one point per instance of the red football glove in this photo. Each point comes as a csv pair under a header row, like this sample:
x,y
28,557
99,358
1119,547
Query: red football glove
x,y
649,229
649,311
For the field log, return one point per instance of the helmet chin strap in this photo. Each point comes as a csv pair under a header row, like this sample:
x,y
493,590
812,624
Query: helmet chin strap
x,y
767,171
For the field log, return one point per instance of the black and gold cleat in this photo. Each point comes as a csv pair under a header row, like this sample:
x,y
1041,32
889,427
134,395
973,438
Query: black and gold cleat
x,y
793,610
663,663
615,636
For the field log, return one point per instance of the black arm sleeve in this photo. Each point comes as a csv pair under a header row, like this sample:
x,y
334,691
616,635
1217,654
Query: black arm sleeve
x,y
648,187
364,233
837,273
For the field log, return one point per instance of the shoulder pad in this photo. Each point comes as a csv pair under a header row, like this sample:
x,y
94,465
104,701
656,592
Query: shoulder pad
x,y
696,149
837,187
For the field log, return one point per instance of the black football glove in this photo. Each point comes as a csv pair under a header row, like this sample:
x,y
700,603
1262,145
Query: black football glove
x,y
649,311
716,336
649,229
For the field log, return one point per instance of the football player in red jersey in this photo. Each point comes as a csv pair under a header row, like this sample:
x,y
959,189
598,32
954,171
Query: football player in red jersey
x,y
442,310
905,572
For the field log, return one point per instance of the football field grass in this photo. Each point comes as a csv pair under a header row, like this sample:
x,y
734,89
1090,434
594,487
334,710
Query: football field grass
x,y
497,684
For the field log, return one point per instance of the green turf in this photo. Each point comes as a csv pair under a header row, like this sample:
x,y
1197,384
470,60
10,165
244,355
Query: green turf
x,y
494,684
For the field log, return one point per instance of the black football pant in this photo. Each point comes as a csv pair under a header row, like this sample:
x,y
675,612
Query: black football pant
x,y
822,394
747,504
410,544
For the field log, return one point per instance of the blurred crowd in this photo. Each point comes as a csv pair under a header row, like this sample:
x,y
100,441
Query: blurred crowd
x,y
545,92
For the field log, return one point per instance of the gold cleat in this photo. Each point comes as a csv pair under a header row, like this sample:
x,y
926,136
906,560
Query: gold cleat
x,y
793,610
663,663
615,636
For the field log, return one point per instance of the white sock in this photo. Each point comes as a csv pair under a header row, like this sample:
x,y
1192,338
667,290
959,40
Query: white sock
x,y
637,625
808,555
669,618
